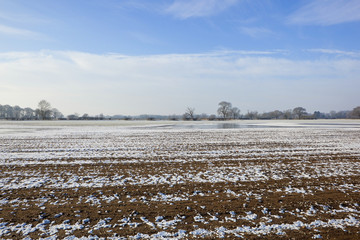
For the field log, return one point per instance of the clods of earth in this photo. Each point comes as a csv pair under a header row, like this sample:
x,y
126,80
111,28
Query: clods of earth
x,y
87,182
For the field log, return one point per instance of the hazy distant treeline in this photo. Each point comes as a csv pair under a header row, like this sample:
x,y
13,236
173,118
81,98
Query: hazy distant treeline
x,y
296,113
44,112
225,111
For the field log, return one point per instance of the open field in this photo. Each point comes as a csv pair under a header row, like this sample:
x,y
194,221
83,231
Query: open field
x,y
185,180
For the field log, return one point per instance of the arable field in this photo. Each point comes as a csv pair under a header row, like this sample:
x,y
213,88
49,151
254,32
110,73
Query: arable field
x,y
154,180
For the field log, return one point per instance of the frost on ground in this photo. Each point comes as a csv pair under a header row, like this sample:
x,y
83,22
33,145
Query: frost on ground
x,y
90,182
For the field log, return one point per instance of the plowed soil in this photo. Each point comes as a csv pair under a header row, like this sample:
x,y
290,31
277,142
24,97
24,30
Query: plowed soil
x,y
181,184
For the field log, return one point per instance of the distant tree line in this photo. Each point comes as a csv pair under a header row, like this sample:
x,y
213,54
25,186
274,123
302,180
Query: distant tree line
x,y
301,113
43,112
225,111
86,116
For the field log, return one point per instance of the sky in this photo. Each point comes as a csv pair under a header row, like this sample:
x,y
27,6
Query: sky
x,y
134,57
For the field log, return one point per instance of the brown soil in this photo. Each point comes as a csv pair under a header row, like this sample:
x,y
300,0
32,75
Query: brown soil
x,y
330,196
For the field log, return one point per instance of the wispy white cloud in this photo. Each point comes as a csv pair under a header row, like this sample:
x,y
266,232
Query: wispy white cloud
x,y
184,9
244,53
19,20
336,52
327,12
6,30
224,53
166,84
23,18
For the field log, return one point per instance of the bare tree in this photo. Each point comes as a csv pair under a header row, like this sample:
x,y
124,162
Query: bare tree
x,y
235,113
224,109
287,114
299,112
190,113
2,112
212,117
9,112
355,113
29,114
333,114
317,114
74,116
203,116
85,116
252,115
44,110
56,114
17,112
276,114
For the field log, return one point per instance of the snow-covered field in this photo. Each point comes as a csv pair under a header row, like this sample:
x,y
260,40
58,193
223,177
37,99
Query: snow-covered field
x,y
180,180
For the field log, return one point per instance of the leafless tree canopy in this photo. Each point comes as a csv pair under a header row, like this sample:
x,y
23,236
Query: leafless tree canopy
x,y
235,113
224,109
355,113
189,113
299,112
17,113
44,110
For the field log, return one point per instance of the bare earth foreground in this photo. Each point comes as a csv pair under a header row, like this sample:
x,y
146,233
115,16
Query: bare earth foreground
x,y
136,180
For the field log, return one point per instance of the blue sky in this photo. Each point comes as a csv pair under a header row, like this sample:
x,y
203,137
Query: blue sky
x,y
158,57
